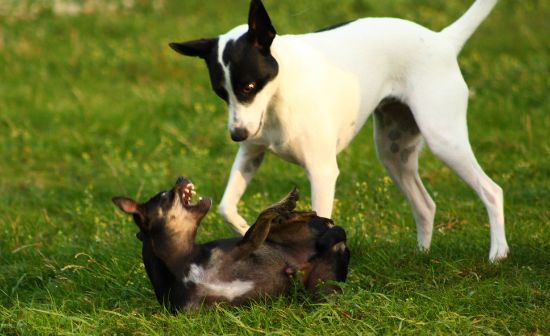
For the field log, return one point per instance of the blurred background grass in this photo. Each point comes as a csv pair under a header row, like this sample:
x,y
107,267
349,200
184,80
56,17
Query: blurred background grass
x,y
94,104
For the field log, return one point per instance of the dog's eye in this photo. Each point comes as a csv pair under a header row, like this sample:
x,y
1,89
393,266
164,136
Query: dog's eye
x,y
165,197
249,87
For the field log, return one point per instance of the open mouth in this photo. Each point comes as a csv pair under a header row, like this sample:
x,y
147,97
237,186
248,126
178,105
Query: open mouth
x,y
186,192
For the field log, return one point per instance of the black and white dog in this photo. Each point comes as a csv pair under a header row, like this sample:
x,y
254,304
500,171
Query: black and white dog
x,y
305,97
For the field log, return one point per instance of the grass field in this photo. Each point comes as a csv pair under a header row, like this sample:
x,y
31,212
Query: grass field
x,y
94,104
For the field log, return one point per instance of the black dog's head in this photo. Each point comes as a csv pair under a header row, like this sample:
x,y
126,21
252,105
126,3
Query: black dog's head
x,y
169,219
241,69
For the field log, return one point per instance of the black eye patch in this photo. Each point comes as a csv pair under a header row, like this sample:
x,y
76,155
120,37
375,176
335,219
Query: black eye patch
x,y
222,93
248,64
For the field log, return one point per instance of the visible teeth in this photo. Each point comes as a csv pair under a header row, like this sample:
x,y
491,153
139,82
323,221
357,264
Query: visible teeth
x,y
187,193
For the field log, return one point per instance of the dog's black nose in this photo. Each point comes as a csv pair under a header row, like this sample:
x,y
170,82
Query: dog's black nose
x,y
239,134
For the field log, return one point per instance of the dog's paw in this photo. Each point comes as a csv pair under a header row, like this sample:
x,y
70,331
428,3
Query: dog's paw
x,y
423,246
235,221
498,252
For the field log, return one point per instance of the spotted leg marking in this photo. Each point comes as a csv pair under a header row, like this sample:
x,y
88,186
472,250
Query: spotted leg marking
x,y
398,143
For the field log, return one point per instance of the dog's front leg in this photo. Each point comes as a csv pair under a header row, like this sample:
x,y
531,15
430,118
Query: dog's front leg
x,y
246,163
322,175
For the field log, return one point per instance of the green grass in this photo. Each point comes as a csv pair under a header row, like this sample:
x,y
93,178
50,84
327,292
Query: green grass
x,y
96,105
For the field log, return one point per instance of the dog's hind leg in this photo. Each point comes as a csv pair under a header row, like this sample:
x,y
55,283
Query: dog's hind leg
x,y
329,264
439,104
398,142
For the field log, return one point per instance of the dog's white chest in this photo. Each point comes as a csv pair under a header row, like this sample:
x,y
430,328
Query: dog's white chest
x,y
286,152
208,284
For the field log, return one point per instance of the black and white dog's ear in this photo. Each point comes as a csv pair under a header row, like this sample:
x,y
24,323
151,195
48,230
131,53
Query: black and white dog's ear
x,y
260,30
197,48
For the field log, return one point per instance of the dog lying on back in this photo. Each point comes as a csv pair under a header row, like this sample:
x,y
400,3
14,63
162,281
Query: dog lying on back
x,y
282,244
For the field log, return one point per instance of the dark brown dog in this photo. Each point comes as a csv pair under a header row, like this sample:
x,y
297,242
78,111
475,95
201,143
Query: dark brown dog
x,y
282,244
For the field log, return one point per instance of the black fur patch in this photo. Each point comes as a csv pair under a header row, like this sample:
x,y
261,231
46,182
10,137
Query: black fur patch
x,y
394,147
248,65
254,163
170,292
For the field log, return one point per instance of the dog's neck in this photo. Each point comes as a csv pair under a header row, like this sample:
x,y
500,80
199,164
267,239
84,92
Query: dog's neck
x,y
176,250
285,88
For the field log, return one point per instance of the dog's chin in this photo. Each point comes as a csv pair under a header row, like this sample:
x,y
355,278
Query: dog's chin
x,y
202,207
258,130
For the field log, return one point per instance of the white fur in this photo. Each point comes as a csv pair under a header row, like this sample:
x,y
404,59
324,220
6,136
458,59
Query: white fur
x,y
330,83
209,285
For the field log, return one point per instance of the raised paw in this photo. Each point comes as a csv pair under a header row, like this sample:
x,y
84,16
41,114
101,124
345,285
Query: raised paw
x,y
287,204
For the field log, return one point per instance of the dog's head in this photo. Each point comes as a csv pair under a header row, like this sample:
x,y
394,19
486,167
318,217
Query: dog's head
x,y
169,219
241,69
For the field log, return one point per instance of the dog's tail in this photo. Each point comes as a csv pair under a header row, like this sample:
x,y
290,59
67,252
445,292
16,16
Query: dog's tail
x,y
461,30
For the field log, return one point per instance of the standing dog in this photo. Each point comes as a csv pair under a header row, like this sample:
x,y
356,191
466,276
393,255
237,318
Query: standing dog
x,y
304,98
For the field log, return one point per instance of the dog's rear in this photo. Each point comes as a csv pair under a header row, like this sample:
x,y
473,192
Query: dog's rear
x,y
314,248
330,262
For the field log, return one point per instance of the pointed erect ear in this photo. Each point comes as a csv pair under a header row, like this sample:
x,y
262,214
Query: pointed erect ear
x,y
127,205
198,48
260,29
